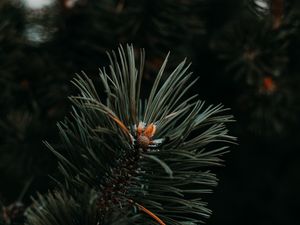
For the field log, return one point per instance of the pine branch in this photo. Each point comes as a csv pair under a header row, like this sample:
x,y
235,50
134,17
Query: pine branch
x,y
150,155
257,59
62,208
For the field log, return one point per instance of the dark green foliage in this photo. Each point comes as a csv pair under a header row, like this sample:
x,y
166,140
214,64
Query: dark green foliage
x,y
34,73
272,111
33,98
159,26
260,181
102,150
168,26
256,58
63,208
252,49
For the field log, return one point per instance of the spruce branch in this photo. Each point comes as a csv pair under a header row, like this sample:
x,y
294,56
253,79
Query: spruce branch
x,y
147,160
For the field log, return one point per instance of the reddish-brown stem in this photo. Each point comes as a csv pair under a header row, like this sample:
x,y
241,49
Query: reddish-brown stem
x,y
148,212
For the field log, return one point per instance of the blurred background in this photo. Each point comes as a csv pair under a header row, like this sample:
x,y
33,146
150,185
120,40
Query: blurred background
x,y
246,53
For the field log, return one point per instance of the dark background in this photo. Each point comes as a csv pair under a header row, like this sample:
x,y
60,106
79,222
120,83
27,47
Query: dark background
x,y
246,53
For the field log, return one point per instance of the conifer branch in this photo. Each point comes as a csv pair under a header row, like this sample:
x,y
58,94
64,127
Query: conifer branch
x,y
152,155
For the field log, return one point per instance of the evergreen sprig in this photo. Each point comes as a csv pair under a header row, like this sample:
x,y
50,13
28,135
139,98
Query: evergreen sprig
x,y
147,160
251,49
258,60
